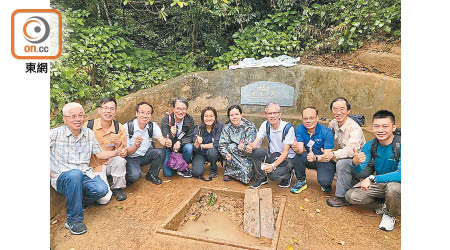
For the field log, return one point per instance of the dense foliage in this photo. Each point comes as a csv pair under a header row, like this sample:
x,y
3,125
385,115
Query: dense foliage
x,y
114,47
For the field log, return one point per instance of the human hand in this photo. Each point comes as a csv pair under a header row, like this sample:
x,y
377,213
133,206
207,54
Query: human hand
x,y
228,157
358,157
249,148
168,142
241,146
326,156
199,139
269,168
138,141
51,175
123,151
173,130
176,146
365,184
310,156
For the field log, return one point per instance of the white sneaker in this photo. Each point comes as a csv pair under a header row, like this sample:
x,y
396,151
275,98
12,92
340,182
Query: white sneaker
x,y
387,223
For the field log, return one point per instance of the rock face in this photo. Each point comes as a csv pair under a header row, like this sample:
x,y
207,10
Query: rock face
x,y
313,86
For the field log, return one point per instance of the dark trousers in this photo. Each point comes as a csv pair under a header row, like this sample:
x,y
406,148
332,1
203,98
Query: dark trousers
x,y
198,161
280,173
154,156
325,170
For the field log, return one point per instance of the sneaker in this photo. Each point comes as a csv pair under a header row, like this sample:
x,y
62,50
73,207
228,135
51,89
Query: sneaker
x,y
380,210
213,174
326,189
120,195
226,178
84,206
338,202
286,182
259,182
185,174
76,227
298,187
387,223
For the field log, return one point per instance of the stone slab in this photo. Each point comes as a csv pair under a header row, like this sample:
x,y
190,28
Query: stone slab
x,y
263,92
266,213
252,224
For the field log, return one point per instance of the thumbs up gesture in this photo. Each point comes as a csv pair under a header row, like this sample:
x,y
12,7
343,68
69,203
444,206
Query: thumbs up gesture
x,y
310,156
358,157
168,142
241,146
173,130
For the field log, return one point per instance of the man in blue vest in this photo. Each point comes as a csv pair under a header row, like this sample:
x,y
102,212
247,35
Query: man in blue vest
x,y
385,187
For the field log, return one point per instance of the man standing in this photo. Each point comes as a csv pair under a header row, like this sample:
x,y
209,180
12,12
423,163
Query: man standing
x,y
140,131
280,135
383,153
71,147
314,142
178,129
348,136
111,136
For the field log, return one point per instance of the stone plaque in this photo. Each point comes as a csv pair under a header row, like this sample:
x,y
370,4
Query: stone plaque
x,y
263,92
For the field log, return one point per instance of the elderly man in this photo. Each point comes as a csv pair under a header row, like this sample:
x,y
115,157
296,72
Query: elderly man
x,y
110,134
71,147
348,136
381,154
313,142
140,131
280,135
178,129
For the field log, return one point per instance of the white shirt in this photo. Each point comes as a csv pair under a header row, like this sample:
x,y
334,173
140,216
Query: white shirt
x,y
276,135
146,141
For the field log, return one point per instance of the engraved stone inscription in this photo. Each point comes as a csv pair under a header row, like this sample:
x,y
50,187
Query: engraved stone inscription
x,y
263,92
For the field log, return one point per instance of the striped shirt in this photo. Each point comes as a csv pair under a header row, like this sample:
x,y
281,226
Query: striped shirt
x,y
68,152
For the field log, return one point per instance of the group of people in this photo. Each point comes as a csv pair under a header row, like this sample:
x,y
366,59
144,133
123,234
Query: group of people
x,y
83,153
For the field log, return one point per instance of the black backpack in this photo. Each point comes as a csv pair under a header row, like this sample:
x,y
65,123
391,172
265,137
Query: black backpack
x,y
131,130
358,118
285,130
396,143
90,125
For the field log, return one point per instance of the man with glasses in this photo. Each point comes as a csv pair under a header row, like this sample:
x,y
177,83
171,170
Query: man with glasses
x,y
71,147
313,142
280,156
178,129
111,136
140,131
348,136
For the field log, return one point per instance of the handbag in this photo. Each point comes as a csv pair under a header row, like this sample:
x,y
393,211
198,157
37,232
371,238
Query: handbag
x,y
176,162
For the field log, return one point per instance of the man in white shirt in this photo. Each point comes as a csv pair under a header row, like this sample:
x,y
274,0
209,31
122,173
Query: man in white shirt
x,y
280,155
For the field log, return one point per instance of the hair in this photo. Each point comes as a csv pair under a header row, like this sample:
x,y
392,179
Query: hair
x,y
384,114
106,100
311,107
272,104
340,99
235,106
202,122
143,103
70,106
180,99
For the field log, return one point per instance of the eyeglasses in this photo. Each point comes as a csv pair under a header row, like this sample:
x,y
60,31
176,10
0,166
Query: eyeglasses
x,y
109,108
272,113
144,113
180,109
73,117
309,118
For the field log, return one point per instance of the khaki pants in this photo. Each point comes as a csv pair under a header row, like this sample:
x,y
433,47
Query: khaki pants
x,y
390,192
117,169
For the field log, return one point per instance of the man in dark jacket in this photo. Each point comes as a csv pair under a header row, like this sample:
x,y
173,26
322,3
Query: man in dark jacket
x,y
178,129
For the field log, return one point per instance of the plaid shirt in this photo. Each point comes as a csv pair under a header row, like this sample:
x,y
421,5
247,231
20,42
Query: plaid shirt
x,y
68,152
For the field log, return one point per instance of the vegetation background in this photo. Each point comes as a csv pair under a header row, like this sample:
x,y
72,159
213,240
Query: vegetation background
x,y
115,47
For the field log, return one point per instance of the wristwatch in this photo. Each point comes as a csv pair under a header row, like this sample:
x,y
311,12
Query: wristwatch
x,y
372,178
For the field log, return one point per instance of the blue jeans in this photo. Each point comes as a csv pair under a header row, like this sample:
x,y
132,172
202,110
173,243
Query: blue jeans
x,y
78,188
325,170
186,151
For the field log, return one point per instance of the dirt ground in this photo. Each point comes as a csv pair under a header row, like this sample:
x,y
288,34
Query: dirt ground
x,y
308,222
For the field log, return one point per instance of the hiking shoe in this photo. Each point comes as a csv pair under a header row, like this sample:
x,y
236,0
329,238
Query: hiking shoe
x,y
76,227
154,179
185,173
298,187
326,189
226,178
213,174
259,182
84,206
120,195
286,182
387,223
338,202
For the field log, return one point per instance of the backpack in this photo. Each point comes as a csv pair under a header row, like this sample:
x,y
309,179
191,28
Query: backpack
x,y
90,125
358,118
396,143
131,130
285,130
